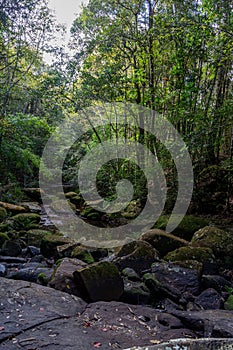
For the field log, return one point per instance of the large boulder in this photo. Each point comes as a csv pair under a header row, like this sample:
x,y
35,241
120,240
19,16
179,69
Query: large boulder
x,y
100,281
163,241
220,241
138,255
186,228
62,278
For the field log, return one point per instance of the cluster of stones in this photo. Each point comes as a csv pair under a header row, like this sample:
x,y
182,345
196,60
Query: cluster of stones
x,y
187,276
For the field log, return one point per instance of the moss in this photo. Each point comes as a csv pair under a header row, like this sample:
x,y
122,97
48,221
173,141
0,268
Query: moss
x,y
82,254
26,221
102,270
3,237
91,214
49,244
187,227
42,279
34,237
220,241
3,214
200,254
77,200
139,249
228,305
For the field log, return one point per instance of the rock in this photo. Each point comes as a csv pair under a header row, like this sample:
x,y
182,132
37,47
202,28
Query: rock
x,y
213,323
32,251
3,270
100,281
130,274
137,255
209,299
220,241
77,200
214,281
170,280
191,264
34,193
25,221
11,248
32,274
34,237
186,229
32,207
12,260
132,210
3,237
12,208
3,214
62,278
26,306
65,251
163,241
135,293
49,244
200,254
191,344
70,194
82,254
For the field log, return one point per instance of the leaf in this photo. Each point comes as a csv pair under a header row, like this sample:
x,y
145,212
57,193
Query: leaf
x,y
97,344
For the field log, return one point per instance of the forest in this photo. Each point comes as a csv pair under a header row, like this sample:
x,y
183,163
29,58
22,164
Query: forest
x,y
174,57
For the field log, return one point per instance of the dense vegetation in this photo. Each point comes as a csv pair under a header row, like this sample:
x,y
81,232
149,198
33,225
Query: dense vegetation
x,y
175,57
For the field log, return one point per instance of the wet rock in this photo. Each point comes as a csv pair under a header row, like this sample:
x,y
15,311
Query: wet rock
x,y
135,293
169,321
200,254
186,228
209,299
11,248
130,274
137,255
49,244
3,270
170,280
25,221
163,241
32,207
220,241
32,274
12,260
214,281
100,281
213,323
62,278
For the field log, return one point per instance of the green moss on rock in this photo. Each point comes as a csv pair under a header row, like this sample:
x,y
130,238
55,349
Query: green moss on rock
x,y
34,236
82,254
228,305
49,244
26,221
3,237
200,254
186,228
220,241
3,214
91,214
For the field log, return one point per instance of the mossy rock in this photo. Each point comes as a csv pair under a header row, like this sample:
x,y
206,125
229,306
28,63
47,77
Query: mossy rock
x,y
3,214
82,254
163,241
91,214
26,221
77,200
200,254
49,244
220,241
191,264
3,237
12,208
186,228
34,237
228,305
133,210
